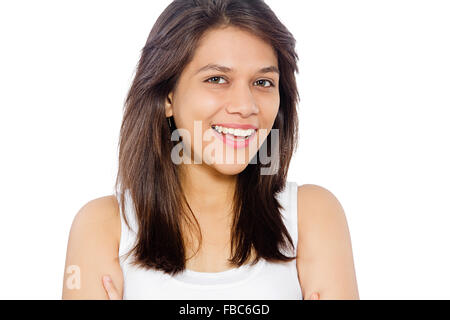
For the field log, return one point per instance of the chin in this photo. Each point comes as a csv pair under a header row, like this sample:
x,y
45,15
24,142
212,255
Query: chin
x,y
230,169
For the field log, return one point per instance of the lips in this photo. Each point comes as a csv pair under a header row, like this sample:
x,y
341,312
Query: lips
x,y
236,126
233,142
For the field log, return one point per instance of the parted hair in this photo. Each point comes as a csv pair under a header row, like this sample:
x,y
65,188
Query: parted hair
x,y
145,169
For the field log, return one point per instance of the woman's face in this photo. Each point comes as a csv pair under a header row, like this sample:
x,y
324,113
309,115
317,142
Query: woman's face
x,y
247,95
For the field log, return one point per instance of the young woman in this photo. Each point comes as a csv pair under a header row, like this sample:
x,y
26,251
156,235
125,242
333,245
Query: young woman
x,y
202,208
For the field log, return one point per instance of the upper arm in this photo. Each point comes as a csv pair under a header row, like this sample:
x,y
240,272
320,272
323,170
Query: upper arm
x,y
92,251
325,259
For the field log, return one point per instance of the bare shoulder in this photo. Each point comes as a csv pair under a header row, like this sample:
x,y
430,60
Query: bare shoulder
x,y
92,250
318,204
104,212
325,259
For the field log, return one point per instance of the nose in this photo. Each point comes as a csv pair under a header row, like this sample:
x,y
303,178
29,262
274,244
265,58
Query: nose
x,y
242,101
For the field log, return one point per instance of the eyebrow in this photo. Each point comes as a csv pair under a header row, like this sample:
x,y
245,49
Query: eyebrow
x,y
218,67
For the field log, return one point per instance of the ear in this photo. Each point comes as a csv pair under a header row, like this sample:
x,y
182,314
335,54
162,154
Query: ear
x,y
168,105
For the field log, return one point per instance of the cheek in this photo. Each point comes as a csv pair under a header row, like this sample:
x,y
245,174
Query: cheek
x,y
274,113
269,114
193,109
197,104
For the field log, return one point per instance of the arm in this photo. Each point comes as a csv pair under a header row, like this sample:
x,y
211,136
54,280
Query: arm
x,y
325,259
92,251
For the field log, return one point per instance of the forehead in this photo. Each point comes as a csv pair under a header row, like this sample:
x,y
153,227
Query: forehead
x,y
232,47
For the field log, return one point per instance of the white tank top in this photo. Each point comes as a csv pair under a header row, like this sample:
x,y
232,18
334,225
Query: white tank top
x,y
263,281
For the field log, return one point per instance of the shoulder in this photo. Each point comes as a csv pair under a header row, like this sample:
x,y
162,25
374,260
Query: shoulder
x,y
102,213
92,250
316,203
321,219
325,259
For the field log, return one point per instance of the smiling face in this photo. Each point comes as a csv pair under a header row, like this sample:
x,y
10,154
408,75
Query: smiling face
x,y
242,88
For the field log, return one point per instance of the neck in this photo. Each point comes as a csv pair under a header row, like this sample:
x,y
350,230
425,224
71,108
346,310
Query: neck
x,y
207,191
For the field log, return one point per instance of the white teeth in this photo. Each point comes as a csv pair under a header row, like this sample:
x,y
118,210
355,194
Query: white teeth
x,y
235,132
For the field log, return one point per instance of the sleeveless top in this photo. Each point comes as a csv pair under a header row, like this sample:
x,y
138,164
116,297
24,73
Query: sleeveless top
x,y
263,281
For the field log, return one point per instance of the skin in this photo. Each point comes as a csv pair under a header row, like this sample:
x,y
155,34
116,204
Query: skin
x,y
242,96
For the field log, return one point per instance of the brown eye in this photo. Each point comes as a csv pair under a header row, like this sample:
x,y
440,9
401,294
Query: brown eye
x,y
263,80
207,80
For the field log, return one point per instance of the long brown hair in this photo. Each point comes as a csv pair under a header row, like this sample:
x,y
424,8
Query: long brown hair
x,y
145,167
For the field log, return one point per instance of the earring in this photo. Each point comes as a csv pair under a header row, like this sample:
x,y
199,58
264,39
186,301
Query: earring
x,y
169,121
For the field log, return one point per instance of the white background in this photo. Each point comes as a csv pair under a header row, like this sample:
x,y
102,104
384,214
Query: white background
x,y
374,85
